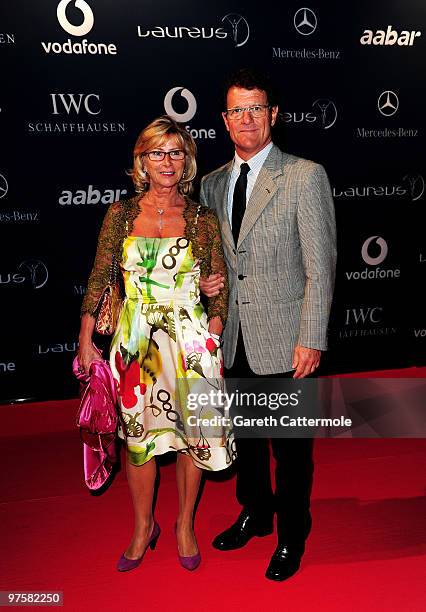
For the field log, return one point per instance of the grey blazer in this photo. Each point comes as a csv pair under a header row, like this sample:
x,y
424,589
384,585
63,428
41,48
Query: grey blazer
x,y
281,272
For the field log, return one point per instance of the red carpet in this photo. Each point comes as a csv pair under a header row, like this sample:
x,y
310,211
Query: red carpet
x,y
366,551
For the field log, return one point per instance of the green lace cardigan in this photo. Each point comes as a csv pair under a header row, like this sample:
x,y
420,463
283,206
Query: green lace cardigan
x,y
202,229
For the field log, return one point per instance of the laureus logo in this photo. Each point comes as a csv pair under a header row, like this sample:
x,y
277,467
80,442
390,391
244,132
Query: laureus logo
x,y
88,17
328,112
36,272
416,186
322,115
182,117
381,256
234,27
29,272
240,28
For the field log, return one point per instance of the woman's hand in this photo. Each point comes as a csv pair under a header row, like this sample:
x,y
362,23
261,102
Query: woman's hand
x,y
86,351
86,355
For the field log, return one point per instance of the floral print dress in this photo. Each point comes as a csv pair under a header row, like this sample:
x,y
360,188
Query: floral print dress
x,y
160,350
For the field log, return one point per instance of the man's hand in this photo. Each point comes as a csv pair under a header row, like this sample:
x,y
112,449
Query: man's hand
x,y
212,285
305,360
216,326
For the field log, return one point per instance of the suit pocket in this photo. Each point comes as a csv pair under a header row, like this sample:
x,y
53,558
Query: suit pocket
x,y
290,288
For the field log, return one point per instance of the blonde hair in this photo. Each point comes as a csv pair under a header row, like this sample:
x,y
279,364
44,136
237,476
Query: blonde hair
x,y
153,136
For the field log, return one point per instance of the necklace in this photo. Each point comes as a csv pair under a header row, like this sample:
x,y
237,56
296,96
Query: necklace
x,y
160,212
160,222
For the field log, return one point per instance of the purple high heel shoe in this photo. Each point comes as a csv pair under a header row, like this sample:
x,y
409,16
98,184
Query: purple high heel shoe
x,y
189,563
124,564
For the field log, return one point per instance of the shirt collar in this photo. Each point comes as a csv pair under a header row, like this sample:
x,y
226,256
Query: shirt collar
x,y
255,161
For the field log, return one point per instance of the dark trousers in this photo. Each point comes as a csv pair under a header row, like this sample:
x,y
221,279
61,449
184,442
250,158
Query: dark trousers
x,y
293,472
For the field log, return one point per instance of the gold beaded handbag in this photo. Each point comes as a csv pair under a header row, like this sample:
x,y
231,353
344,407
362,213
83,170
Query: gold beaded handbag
x,y
109,305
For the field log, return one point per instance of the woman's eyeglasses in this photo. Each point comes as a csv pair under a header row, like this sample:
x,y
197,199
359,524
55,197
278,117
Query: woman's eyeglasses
x,y
176,154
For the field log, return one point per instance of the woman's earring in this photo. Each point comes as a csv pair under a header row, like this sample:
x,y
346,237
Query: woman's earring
x,y
184,174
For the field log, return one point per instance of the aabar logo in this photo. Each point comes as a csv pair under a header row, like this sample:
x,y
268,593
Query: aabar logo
x,y
389,37
90,196
88,18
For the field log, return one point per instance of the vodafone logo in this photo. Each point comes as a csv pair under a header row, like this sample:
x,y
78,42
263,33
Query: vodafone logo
x,y
374,261
83,26
189,97
374,251
186,112
88,17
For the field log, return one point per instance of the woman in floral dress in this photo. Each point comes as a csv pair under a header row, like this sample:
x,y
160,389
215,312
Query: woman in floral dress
x,y
165,345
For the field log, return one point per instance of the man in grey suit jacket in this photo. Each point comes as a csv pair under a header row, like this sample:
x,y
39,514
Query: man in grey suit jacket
x,y
278,229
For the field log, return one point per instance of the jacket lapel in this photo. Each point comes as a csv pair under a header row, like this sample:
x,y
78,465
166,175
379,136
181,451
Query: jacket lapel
x,y
221,198
263,191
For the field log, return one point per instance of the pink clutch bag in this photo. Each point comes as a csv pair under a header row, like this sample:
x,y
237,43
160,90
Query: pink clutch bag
x,y
97,420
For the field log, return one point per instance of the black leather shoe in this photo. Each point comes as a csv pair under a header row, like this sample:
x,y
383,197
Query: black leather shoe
x,y
241,532
284,562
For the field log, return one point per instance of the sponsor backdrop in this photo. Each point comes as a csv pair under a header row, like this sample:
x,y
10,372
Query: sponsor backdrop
x,y
88,75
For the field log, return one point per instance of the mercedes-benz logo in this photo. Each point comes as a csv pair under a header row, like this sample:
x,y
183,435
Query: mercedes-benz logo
x,y
328,112
416,186
4,187
388,103
239,27
374,261
88,18
305,21
189,97
38,272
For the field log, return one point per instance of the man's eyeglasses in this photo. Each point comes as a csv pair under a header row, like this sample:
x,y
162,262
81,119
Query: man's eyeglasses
x,y
256,111
176,154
